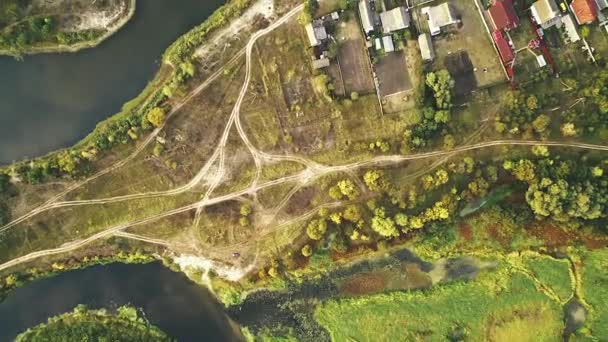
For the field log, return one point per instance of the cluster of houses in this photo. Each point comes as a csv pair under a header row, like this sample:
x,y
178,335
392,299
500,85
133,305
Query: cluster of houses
x,y
319,39
388,22
546,14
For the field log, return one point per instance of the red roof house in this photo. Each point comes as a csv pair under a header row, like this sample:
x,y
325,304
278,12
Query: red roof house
x,y
504,48
503,15
585,11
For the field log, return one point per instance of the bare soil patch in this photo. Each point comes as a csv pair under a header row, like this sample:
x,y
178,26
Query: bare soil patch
x,y
393,76
353,59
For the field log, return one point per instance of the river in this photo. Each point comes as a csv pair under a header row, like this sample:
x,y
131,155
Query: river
x,y
171,301
51,101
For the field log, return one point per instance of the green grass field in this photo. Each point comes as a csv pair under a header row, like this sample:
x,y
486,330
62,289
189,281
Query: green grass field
x,y
478,311
595,291
552,273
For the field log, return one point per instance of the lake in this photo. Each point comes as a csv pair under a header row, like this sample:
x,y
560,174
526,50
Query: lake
x,y
178,306
51,101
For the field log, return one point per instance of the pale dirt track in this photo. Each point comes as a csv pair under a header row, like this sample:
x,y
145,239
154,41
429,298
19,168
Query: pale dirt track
x,y
313,170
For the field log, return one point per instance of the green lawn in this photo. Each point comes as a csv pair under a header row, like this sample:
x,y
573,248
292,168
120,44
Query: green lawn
x,y
552,273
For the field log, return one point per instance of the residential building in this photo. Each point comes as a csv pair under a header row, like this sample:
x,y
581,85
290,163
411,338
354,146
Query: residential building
x,y
387,41
367,16
505,50
601,4
439,17
546,13
426,47
316,32
570,28
320,63
378,43
585,11
540,59
395,19
502,15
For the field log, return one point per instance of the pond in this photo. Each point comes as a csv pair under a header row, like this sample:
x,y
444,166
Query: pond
x,y
51,101
178,306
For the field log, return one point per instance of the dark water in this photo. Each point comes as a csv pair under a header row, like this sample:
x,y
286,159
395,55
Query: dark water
x,y
51,101
171,301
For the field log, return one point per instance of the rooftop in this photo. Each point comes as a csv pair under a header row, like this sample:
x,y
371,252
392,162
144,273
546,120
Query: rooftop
x,y
367,20
584,10
439,16
545,11
395,19
503,15
504,48
426,47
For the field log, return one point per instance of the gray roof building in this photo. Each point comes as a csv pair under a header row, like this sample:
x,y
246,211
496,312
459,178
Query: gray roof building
x,y
320,63
387,41
367,16
395,19
316,32
426,47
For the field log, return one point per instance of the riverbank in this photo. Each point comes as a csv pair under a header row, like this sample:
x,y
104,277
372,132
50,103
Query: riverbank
x,y
57,47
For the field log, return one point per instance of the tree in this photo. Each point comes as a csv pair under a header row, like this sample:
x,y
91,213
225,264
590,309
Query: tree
x,y
246,210
316,229
383,225
541,123
352,213
523,170
402,220
568,129
307,250
348,189
374,179
441,83
156,116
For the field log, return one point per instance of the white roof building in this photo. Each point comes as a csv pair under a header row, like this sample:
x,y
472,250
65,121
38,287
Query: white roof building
x,y
388,44
316,32
426,47
378,43
367,16
395,19
540,59
546,13
439,16
570,28
601,4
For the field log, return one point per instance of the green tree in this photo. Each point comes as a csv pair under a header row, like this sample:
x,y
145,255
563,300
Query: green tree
x,y
306,250
383,225
541,123
156,116
316,229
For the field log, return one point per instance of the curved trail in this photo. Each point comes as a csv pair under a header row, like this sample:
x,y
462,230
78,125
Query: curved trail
x,y
322,170
151,137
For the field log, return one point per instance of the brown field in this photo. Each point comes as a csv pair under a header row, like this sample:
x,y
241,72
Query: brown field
x,y
353,59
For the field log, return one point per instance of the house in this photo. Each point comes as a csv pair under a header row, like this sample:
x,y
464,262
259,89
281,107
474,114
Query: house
x,y
540,59
546,13
378,43
387,41
601,4
395,19
570,28
502,15
426,47
367,16
439,17
320,63
316,32
504,48
585,11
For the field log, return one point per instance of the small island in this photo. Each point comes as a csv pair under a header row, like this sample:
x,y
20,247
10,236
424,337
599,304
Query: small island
x,y
84,324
